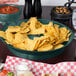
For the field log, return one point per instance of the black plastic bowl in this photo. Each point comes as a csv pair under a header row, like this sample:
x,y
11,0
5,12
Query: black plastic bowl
x,y
61,16
35,55
10,17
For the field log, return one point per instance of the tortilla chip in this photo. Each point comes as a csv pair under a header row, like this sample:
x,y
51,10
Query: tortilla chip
x,y
27,30
37,31
50,30
58,46
36,26
59,41
19,38
9,37
20,46
13,29
68,35
7,42
3,34
67,39
46,47
23,24
32,45
56,28
63,32
33,22
44,40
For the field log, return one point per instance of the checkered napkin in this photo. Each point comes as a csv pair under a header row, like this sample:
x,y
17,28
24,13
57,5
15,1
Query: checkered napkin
x,y
37,67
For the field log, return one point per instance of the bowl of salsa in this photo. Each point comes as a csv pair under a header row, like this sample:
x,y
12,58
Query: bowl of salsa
x,y
10,13
61,12
9,9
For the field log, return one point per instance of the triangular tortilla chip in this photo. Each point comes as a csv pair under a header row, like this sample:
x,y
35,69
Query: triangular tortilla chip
x,y
46,47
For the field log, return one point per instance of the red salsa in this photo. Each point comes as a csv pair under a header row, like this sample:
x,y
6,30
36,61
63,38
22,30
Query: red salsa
x,y
8,9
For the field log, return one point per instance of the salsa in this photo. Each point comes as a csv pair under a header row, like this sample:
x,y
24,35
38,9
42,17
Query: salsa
x,y
8,9
62,10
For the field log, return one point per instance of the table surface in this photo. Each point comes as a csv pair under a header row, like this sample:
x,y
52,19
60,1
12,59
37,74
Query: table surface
x,y
67,55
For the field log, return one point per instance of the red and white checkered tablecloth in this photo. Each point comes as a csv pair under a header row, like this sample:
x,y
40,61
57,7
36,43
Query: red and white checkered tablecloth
x,y
37,67
9,2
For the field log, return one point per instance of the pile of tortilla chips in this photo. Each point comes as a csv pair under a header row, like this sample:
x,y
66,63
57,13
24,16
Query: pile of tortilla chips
x,y
53,35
